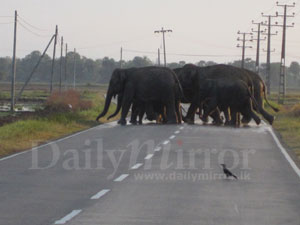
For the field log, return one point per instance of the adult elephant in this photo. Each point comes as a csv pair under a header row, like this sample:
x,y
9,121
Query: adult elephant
x,y
259,93
227,93
147,84
191,76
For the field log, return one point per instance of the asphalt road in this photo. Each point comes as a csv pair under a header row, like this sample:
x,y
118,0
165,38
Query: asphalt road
x,y
152,174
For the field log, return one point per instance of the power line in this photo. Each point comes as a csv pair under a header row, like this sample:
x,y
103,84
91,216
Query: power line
x,y
32,26
32,32
6,23
182,54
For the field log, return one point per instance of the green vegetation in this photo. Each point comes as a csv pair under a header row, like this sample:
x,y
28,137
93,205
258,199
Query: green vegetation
x,y
22,134
287,121
92,71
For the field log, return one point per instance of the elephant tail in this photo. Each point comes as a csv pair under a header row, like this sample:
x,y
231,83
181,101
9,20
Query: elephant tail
x,y
119,104
107,104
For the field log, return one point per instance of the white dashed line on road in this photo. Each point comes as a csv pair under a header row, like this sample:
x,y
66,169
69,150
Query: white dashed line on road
x,y
121,178
177,132
166,142
181,128
172,137
100,194
68,217
149,156
136,166
157,149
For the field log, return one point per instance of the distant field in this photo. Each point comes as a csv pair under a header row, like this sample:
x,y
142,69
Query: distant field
x,y
41,91
42,128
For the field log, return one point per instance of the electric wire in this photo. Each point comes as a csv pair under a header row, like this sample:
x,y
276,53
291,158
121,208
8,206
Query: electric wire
x,y
33,32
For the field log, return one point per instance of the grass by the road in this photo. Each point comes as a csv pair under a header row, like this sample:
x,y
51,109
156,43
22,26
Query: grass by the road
x,y
24,133
287,121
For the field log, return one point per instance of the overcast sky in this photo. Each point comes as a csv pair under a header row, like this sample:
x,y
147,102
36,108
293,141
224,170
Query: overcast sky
x,y
98,28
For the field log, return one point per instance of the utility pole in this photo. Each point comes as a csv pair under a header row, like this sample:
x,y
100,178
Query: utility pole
x,y
61,60
34,69
66,68
282,76
53,59
74,70
164,43
121,57
244,46
258,39
13,71
268,65
158,57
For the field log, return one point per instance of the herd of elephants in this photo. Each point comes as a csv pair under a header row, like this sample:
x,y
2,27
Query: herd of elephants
x,y
159,91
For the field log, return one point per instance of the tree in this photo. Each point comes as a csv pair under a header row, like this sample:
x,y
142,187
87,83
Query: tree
x,y
295,69
138,62
5,65
107,67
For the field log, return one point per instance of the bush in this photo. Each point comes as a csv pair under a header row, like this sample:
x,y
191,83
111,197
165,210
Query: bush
x,y
68,101
295,110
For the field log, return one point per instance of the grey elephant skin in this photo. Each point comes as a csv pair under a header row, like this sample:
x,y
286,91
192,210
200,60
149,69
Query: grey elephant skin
x,y
147,85
226,93
191,76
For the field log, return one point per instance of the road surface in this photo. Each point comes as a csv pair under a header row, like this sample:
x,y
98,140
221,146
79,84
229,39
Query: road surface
x,y
152,174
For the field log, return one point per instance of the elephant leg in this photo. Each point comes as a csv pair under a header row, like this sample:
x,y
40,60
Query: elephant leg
x,y
204,106
246,119
249,113
217,120
190,116
134,113
255,117
238,119
164,115
151,115
227,116
267,116
233,115
127,101
170,106
210,107
141,116
178,113
260,109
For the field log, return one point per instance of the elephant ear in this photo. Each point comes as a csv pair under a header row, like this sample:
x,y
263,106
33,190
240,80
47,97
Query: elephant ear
x,y
123,76
194,77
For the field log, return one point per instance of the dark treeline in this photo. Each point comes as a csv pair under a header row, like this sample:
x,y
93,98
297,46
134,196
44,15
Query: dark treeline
x,y
90,71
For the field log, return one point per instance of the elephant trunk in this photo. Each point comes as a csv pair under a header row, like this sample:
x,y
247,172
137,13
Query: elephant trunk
x,y
119,104
107,104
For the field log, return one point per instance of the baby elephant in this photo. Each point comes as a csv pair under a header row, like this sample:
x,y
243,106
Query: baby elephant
x,y
227,93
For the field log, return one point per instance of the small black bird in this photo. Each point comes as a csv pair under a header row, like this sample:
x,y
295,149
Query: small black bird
x,y
227,172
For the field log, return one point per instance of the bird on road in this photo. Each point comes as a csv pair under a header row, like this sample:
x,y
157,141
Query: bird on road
x,y
227,172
